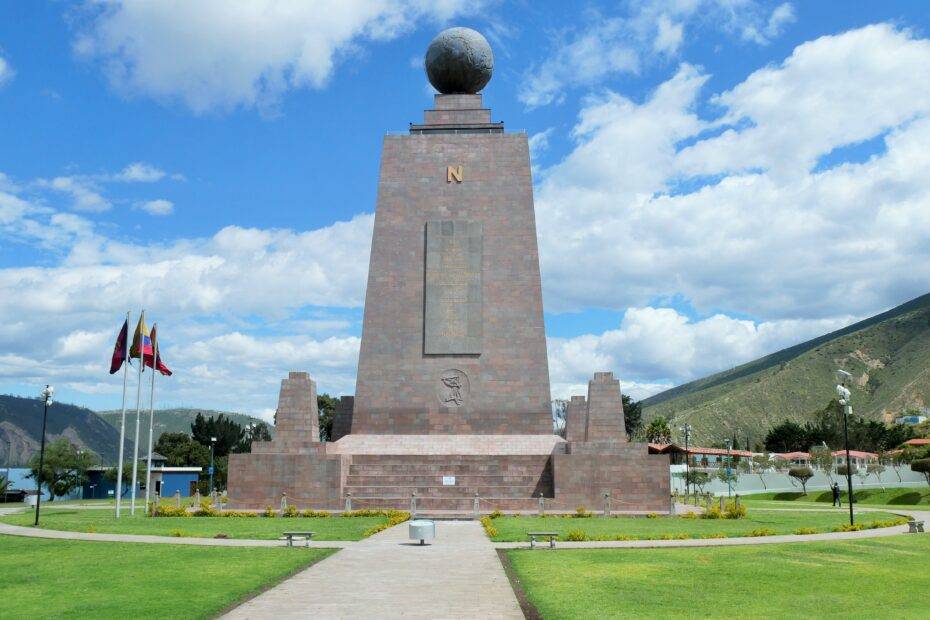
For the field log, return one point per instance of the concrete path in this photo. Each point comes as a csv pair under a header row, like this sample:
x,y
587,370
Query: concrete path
x,y
387,576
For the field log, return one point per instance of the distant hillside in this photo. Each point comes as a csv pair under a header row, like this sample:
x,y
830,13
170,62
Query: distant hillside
x,y
21,423
170,421
889,354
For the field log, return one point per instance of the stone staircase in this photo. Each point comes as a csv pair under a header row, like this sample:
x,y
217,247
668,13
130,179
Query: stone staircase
x,y
503,482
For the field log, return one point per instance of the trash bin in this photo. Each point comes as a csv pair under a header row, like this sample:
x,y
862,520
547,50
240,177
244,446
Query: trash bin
x,y
422,530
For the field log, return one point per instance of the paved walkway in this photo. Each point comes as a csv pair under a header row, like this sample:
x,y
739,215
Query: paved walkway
x,y
387,576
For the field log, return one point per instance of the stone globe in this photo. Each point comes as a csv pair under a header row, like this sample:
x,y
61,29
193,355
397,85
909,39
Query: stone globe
x,y
459,61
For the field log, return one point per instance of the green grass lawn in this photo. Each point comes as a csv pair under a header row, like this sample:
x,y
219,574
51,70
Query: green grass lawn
x,y
103,521
875,578
780,522
76,579
901,497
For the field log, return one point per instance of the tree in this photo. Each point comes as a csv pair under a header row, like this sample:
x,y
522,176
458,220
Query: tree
x,y
842,471
632,415
326,405
761,463
802,474
228,434
658,431
695,478
876,469
731,477
64,467
4,486
786,437
822,459
922,466
182,451
559,416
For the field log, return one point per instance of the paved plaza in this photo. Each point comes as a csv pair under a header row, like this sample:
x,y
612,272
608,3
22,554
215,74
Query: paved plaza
x,y
388,576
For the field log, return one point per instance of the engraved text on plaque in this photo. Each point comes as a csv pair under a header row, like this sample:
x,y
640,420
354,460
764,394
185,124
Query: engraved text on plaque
x,y
453,321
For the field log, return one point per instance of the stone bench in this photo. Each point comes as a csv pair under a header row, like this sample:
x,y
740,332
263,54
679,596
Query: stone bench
x,y
550,535
290,536
915,526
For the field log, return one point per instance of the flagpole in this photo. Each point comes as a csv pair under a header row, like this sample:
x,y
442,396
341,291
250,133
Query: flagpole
x,y
122,424
135,456
148,468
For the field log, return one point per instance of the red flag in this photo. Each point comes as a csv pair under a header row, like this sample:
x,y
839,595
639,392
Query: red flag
x,y
119,349
159,365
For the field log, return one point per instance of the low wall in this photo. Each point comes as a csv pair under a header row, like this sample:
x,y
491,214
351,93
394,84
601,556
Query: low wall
x,y
779,482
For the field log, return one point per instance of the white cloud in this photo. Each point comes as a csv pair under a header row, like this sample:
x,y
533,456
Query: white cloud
x,y
159,206
215,54
139,172
6,71
655,348
776,242
84,193
669,36
609,45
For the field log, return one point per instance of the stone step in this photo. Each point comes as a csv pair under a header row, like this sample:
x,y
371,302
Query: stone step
x,y
448,469
440,491
462,504
436,479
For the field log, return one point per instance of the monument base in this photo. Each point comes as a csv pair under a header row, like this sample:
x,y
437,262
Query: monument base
x,y
446,472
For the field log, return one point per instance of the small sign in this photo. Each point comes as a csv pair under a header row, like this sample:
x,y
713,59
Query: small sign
x,y
111,493
448,481
210,470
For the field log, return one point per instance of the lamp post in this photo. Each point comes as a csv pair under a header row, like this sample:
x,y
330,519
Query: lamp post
x,y
686,429
846,410
47,397
212,446
729,480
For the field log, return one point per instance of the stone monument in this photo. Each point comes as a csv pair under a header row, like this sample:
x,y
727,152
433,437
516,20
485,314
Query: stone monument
x,y
452,397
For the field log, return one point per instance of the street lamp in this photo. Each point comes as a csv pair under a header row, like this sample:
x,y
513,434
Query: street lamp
x,y
846,410
212,446
47,397
729,480
686,429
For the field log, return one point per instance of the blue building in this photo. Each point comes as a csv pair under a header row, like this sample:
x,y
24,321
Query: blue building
x,y
165,480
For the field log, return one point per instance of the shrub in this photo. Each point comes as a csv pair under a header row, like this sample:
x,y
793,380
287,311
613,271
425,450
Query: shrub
x,y
804,531
734,511
177,533
576,535
290,511
206,510
652,515
689,515
712,513
169,511
717,535
846,527
488,524
497,514
221,535
581,513
394,517
762,531
624,537
269,512
673,537
239,514
314,513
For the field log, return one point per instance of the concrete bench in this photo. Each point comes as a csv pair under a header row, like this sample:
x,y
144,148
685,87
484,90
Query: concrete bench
x,y
290,536
550,535
915,526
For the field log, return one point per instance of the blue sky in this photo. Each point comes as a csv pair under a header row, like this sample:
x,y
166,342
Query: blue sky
x,y
715,180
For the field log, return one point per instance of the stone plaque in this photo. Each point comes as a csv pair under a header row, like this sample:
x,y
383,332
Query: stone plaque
x,y
452,317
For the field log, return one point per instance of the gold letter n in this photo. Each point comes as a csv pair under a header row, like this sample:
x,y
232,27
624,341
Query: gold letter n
x,y
453,172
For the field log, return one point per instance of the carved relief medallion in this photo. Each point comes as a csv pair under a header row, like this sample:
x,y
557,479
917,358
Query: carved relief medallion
x,y
453,388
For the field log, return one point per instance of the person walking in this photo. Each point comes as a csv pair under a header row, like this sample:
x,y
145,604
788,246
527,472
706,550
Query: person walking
x,y
836,495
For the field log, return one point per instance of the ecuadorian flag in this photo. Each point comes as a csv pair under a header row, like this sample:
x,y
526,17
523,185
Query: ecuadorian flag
x,y
142,339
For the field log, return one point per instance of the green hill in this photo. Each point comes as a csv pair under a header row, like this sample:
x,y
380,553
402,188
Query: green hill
x,y
21,429
177,420
888,354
